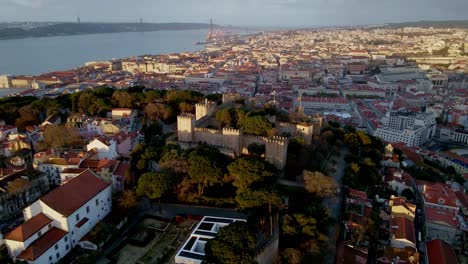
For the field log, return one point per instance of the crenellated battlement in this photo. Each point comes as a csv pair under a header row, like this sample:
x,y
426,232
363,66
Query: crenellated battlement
x,y
191,130
285,124
209,130
186,116
231,131
279,138
256,137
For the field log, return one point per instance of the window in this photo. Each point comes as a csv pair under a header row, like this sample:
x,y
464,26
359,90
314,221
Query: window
x,y
39,233
50,257
87,209
77,217
97,202
67,247
66,238
50,225
57,255
56,246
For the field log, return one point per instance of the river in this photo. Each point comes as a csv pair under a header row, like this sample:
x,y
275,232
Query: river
x,y
33,56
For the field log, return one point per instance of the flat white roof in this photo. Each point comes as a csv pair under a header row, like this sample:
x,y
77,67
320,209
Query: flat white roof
x,y
193,250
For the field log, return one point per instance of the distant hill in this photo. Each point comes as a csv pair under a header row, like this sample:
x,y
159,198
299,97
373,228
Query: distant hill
x,y
428,23
66,29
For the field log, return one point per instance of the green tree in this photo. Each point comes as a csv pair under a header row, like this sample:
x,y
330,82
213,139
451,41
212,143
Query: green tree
x,y
123,99
155,185
291,256
152,96
224,116
255,125
104,92
186,107
146,158
352,140
300,224
364,138
296,144
250,198
60,137
233,244
174,160
247,170
158,111
205,168
29,115
320,184
90,104
256,149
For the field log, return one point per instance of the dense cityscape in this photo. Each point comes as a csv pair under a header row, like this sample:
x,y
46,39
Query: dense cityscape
x,y
330,145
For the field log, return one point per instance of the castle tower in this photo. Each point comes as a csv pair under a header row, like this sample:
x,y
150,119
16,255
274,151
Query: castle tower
x,y
206,108
317,122
185,127
306,131
276,151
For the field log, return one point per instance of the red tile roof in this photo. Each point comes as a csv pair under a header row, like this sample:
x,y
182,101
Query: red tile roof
x,y
122,169
73,170
403,228
358,194
441,216
69,197
438,193
439,252
41,245
28,228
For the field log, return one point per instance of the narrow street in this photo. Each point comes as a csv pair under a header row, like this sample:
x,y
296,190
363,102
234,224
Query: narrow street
x,y
334,205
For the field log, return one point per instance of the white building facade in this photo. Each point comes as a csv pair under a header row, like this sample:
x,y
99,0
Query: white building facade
x,y
57,222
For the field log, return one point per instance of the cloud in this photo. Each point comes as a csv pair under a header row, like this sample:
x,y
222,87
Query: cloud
x,y
29,3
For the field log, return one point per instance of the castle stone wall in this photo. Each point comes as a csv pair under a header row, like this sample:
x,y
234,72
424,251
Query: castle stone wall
x,y
276,151
232,139
212,137
248,139
286,128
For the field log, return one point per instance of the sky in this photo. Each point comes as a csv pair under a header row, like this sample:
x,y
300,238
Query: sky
x,y
286,13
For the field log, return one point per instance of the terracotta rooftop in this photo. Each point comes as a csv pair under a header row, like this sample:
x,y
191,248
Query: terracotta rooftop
x,y
122,169
69,197
403,228
441,216
438,193
73,170
358,194
41,245
439,252
28,228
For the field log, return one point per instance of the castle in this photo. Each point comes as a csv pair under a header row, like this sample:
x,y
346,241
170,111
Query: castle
x,y
195,129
